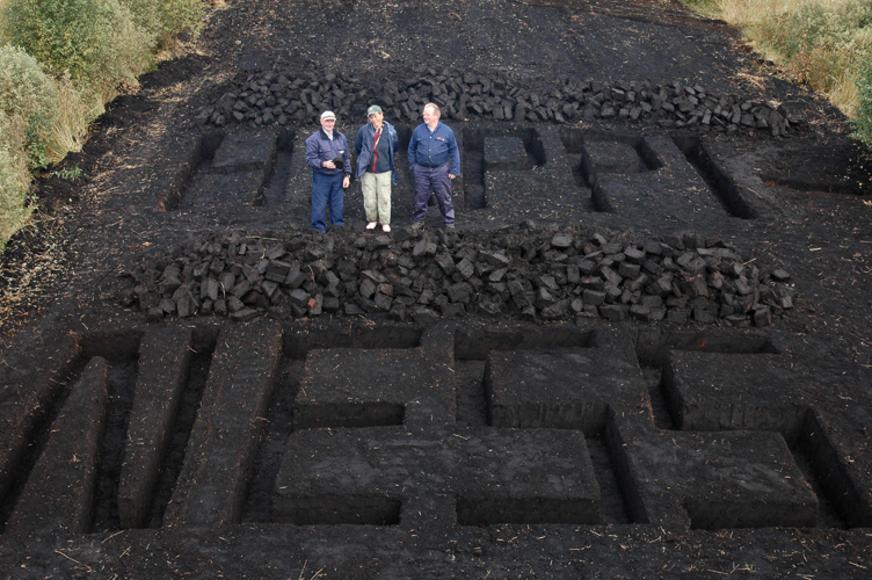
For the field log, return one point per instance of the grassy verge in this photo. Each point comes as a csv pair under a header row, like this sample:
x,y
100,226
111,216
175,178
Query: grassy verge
x,y
825,43
60,62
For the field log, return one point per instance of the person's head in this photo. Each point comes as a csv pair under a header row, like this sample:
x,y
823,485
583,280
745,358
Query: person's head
x,y
375,115
431,113
328,120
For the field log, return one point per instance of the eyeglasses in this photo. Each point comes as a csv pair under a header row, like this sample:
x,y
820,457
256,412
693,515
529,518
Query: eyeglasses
x,y
329,120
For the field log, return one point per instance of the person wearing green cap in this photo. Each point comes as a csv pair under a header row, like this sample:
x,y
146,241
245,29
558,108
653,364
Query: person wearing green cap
x,y
376,146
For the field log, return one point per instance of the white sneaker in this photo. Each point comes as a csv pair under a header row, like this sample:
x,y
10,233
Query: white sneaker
x,y
386,228
371,225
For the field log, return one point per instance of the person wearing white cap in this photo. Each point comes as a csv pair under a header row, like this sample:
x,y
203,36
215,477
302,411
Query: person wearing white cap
x,y
376,146
328,156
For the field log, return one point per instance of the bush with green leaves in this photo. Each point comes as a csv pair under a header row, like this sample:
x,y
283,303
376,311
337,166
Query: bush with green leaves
x,y
14,178
29,95
94,42
812,26
166,19
863,123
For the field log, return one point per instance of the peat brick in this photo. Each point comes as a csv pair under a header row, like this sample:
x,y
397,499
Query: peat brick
x,y
562,240
780,275
497,259
593,297
614,312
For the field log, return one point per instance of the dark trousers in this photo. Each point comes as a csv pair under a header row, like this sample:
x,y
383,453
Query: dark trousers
x,y
326,191
433,179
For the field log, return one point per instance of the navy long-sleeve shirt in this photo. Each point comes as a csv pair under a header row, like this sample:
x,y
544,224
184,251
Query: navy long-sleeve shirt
x,y
320,148
434,148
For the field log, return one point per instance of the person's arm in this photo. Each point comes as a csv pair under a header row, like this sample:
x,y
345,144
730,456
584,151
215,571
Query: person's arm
x,y
358,142
346,164
413,145
313,159
454,152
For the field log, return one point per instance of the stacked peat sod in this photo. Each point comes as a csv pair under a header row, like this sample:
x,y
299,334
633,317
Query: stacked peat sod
x,y
291,99
285,99
533,274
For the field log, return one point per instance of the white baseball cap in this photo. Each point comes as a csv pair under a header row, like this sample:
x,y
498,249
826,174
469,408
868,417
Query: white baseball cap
x,y
328,115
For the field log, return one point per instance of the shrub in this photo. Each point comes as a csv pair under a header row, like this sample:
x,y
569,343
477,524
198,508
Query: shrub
x,y
14,178
74,116
180,16
146,16
94,42
826,43
164,20
28,94
864,110
60,60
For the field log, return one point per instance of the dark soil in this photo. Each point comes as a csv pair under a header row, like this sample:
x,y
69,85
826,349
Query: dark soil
x,y
356,444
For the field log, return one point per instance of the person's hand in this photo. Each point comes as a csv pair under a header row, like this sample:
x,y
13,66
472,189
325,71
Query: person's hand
x,y
346,181
328,164
451,176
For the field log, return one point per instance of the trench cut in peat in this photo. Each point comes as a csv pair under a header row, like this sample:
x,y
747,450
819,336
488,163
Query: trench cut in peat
x,y
601,154
711,480
842,168
448,425
65,501
489,151
352,387
234,170
721,381
473,169
471,477
211,486
732,195
655,179
165,359
274,190
451,474
68,477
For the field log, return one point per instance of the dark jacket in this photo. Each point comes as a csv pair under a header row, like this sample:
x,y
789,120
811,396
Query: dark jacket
x,y
363,147
434,149
320,148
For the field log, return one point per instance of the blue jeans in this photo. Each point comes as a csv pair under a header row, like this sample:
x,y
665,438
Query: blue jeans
x,y
433,179
326,190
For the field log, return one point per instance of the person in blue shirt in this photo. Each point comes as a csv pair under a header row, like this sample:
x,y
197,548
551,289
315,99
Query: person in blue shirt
x,y
434,158
328,155
376,147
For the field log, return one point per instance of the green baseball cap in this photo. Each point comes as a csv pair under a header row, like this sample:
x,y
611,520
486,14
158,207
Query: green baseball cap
x,y
373,109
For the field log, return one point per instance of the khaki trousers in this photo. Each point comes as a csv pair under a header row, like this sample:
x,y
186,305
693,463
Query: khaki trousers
x,y
377,196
